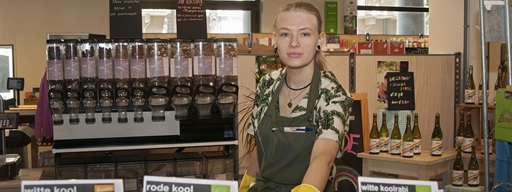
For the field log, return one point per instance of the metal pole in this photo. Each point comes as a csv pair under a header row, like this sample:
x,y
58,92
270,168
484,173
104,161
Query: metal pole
x,y
484,98
507,31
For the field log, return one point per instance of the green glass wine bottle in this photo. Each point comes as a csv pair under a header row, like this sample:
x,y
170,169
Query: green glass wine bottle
x,y
469,91
459,136
458,169
408,140
374,137
469,135
417,135
396,138
436,148
384,135
473,170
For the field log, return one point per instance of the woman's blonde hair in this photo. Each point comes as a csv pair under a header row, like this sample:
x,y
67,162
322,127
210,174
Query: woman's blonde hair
x,y
306,7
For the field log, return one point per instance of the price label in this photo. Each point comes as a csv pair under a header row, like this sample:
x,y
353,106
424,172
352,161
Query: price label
x,y
103,185
168,184
369,184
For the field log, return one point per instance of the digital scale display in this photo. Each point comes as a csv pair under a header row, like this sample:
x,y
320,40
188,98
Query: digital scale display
x,y
9,120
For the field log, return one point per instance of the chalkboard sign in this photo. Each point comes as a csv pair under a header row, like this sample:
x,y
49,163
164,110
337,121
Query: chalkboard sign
x,y
125,19
400,90
354,143
191,19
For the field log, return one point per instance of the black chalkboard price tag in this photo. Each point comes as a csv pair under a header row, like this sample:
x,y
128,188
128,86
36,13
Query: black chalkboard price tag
x,y
400,91
125,19
191,19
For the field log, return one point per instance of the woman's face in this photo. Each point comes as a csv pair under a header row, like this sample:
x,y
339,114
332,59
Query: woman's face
x,y
296,37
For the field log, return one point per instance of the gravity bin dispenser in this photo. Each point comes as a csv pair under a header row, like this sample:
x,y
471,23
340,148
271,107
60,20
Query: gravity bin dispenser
x,y
141,91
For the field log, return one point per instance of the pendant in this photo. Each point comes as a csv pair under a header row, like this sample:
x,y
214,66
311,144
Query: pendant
x,y
289,104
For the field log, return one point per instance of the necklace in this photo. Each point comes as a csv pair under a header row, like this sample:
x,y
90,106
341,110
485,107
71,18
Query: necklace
x,y
288,91
295,89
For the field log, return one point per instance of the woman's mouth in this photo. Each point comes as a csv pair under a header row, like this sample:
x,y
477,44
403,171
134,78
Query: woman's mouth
x,y
294,55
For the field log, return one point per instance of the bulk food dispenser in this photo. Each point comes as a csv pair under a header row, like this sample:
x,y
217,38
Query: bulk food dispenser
x,y
204,76
181,76
138,77
105,71
88,78
158,77
150,93
72,79
55,77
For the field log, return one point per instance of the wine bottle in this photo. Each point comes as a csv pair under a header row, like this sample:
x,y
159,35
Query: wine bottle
x,y
469,92
458,169
408,140
498,84
374,137
469,136
417,135
460,130
384,135
473,169
481,92
436,149
490,142
396,138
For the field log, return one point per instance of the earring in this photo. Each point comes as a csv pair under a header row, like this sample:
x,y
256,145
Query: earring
x,y
318,47
275,50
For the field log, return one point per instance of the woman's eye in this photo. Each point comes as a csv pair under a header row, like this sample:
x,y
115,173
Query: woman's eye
x,y
284,35
305,34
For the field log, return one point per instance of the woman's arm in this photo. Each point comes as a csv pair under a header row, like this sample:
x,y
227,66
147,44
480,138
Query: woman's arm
x,y
253,167
322,160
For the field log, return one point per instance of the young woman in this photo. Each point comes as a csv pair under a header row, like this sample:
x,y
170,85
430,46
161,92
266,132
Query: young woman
x,y
300,112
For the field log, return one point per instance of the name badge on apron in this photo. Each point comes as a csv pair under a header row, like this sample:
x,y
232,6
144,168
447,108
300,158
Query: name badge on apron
x,y
295,129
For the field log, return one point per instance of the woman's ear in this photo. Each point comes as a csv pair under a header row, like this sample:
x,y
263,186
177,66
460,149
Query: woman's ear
x,y
321,39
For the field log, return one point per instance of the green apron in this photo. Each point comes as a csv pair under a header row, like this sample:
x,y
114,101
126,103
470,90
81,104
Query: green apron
x,y
284,156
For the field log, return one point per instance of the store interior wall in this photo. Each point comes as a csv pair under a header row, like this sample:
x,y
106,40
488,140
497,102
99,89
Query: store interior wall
x,y
26,23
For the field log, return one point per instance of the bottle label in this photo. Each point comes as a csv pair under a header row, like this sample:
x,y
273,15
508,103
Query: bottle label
x,y
466,145
436,147
481,97
395,145
137,69
105,69
55,70
204,65
227,66
384,144
87,67
459,140
71,69
180,67
473,177
408,149
469,96
374,145
157,67
417,146
121,68
457,177
489,145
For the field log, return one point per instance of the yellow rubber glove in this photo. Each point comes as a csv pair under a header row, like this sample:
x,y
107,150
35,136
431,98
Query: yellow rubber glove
x,y
305,188
246,183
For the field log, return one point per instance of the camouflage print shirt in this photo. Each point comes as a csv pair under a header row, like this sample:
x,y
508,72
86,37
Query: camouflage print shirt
x,y
332,105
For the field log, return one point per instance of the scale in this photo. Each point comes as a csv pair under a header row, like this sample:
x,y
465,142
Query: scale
x,y
9,163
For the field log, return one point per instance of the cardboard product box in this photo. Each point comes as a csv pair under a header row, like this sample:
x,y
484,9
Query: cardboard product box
x,y
396,48
364,48
503,118
30,101
380,47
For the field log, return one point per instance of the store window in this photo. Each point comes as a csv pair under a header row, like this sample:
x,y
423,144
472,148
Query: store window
x,y
223,16
393,17
6,70
217,21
